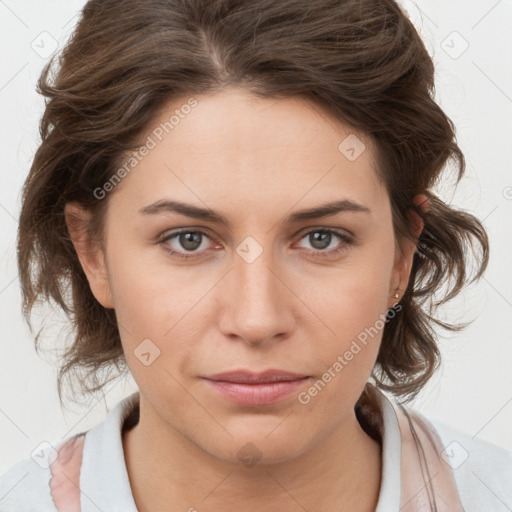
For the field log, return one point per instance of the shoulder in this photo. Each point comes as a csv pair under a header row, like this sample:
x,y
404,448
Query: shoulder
x,y
482,470
28,485
25,487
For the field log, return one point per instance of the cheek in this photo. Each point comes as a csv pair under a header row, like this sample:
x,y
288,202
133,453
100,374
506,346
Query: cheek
x,y
348,356
358,293
158,302
146,292
353,306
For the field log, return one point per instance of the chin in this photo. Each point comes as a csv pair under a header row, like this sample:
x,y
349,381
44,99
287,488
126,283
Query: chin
x,y
250,448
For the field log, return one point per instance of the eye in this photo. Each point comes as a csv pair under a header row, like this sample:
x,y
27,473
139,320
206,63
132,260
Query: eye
x,y
190,243
187,240
322,238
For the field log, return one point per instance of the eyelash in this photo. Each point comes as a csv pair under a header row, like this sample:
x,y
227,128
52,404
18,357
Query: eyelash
x,y
347,241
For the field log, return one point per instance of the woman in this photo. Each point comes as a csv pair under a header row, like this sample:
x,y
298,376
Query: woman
x,y
239,195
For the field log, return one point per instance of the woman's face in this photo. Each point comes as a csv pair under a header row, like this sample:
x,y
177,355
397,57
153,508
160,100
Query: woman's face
x,y
268,287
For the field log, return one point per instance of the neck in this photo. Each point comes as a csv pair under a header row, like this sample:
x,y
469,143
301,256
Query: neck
x,y
342,472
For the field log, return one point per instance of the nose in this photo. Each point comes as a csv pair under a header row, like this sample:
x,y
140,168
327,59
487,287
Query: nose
x,y
257,302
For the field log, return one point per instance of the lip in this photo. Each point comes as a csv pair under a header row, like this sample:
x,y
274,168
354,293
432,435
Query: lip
x,y
243,376
256,389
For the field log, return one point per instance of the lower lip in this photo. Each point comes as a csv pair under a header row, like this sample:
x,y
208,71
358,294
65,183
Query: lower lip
x,y
257,394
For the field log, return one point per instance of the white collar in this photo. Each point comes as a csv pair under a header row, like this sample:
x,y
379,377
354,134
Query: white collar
x,y
105,484
104,481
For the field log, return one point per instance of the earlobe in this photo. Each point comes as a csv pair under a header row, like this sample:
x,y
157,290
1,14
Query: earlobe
x,y
90,254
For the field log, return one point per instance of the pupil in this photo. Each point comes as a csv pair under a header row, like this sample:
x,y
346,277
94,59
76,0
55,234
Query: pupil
x,y
187,240
323,237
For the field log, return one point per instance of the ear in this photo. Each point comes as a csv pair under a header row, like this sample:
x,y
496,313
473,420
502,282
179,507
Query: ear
x,y
89,252
404,258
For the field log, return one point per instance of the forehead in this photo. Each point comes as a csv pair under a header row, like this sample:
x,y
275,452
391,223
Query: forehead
x,y
232,143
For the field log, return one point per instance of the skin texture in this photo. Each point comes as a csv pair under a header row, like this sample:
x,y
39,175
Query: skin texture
x,y
295,307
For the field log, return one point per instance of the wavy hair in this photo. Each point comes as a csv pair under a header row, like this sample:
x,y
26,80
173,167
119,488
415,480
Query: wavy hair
x,y
361,59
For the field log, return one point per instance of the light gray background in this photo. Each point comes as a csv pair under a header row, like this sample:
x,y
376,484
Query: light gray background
x,y
472,391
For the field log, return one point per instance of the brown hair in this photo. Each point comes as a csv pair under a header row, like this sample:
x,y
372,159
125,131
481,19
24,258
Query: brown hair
x,y
361,59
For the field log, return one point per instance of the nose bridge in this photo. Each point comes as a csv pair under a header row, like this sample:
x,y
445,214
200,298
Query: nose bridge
x,y
256,304
254,273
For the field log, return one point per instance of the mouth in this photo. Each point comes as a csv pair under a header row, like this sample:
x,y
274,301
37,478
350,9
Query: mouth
x,y
256,389
249,377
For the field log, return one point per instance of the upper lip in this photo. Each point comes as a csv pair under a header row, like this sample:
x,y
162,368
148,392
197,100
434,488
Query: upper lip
x,y
250,377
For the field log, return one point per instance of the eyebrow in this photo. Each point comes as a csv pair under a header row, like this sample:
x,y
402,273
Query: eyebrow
x,y
188,210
